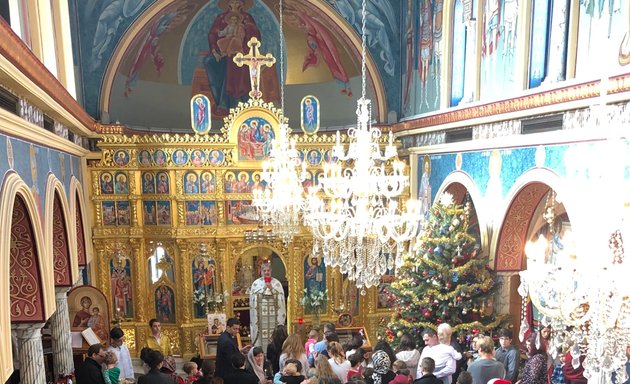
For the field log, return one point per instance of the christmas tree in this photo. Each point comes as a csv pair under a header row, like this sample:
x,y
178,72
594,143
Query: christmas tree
x,y
444,279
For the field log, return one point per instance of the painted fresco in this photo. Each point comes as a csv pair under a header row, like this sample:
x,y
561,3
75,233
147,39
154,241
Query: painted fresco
x,y
602,33
149,212
309,120
548,50
163,213
200,212
227,27
464,42
422,56
383,38
162,183
122,291
243,182
191,183
148,183
240,212
165,304
499,44
314,276
255,138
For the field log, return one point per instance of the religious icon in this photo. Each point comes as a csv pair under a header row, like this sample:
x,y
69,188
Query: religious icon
x,y
107,183
192,213
243,184
241,212
123,212
216,157
314,276
164,213
87,307
162,183
204,278
208,212
216,323
207,183
148,183
229,185
309,114
122,294
255,137
200,114
256,63
197,157
191,183
424,192
108,212
144,158
150,213
258,184
314,157
165,304
120,183
159,157
121,158
180,157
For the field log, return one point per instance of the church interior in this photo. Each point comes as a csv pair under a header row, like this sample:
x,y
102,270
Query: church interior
x,y
385,166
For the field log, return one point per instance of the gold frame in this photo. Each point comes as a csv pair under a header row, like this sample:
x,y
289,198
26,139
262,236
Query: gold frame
x,y
207,344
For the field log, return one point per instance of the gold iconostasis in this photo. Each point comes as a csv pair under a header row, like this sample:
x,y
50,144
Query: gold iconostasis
x,y
170,218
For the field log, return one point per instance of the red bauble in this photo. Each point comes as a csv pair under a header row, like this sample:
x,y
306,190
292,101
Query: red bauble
x,y
439,321
427,313
425,273
454,260
449,285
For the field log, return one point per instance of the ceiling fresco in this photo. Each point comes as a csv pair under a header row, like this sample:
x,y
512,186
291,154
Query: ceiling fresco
x,y
141,61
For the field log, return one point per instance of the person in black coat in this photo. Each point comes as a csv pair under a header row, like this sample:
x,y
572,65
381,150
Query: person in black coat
x,y
155,359
90,371
240,375
227,347
428,366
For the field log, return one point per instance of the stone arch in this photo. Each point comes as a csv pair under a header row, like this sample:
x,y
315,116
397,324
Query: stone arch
x,y
79,214
13,189
58,233
508,243
458,184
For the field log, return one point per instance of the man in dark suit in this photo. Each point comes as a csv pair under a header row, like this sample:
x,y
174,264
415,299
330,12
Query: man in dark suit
x,y
90,371
227,347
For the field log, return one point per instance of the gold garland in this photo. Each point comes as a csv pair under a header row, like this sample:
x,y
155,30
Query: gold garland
x,y
475,324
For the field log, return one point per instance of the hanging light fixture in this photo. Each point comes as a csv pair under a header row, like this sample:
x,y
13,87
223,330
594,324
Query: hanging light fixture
x,y
358,222
280,204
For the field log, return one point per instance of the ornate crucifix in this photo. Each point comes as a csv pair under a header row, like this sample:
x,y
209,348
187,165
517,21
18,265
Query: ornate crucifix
x,y
256,63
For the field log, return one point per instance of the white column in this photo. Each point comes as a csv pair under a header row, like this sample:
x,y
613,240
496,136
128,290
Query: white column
x,y
61,341
31,352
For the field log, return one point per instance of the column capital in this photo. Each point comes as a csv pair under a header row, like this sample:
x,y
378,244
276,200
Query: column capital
x,y
26,331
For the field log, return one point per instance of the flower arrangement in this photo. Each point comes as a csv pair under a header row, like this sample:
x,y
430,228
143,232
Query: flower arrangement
x,y
314,300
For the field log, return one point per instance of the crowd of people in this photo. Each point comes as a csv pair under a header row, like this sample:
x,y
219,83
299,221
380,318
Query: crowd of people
x,y
439,359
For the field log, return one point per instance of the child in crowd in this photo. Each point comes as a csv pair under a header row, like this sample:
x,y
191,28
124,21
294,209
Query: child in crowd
x,y
464,378
355,367
403,375
192,372
112,373
428,366
291,372
313,337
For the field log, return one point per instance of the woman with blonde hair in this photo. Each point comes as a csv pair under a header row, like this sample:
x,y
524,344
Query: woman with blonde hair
x,y
293,348
338,361
324,373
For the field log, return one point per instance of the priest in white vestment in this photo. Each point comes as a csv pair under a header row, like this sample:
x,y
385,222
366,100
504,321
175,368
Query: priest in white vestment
x,y
266,306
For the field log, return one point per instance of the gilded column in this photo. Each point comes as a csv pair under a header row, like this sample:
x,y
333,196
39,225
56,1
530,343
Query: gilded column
x,y
141,277
31,352
184,246
61,342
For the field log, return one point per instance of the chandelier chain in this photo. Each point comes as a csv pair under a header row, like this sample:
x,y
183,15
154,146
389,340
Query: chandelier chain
x,y
363,48
281,58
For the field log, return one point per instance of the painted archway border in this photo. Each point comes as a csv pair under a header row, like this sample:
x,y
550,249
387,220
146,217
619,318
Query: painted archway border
x,y
508,242
137,26
483,218
78,206
54,187
13,186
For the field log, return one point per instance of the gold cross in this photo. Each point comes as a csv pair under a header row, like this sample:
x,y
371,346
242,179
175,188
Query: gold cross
x,y
256,63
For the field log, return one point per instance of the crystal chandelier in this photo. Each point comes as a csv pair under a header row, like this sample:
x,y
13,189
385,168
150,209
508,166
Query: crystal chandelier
x,y
281,203
585,298
357,222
